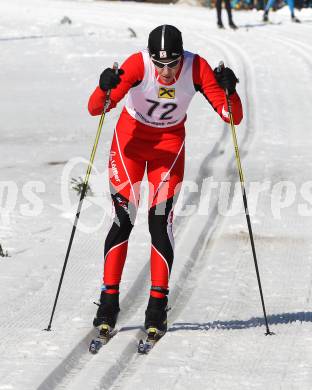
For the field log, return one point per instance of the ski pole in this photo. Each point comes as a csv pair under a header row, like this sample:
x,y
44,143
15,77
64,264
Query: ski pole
x,y
83,193
241,177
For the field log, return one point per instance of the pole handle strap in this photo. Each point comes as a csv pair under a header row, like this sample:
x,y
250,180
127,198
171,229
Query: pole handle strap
x,y
160,290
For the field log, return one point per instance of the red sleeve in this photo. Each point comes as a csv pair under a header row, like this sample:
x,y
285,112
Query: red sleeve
x,y
205,82
133,74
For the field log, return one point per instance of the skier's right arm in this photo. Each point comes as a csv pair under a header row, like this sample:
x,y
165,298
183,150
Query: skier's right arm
x,y
130,74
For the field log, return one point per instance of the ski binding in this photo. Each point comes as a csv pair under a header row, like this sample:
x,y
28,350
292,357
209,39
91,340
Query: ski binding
x,y
105,334
153,335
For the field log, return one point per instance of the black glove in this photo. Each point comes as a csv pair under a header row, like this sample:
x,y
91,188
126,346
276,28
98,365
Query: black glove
x,y
226,79
109,79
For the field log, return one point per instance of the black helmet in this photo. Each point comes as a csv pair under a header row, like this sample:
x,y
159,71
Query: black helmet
x,y
165,42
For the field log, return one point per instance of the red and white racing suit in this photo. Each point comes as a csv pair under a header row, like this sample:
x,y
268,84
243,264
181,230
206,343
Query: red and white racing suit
x,y
150,135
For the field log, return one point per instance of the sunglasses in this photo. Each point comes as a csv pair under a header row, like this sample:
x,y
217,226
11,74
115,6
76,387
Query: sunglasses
x,y
170,64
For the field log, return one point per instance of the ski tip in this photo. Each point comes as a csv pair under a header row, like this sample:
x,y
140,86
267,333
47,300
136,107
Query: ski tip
x,y
141,347
95,346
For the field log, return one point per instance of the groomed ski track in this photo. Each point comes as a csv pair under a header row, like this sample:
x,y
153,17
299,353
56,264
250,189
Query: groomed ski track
x,y
80,368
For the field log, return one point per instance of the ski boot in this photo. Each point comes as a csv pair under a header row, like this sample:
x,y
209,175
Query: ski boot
x,y
233,26
156,314
155,323
265,17
220,25
294,19
105,320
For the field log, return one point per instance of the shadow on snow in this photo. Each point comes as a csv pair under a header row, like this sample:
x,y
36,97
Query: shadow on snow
x,y
274,319
254,322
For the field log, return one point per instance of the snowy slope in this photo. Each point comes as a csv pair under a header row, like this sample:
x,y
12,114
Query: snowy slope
x,y
216,337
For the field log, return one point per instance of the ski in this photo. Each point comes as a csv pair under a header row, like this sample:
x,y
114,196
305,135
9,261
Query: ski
x,y
104,336
153,336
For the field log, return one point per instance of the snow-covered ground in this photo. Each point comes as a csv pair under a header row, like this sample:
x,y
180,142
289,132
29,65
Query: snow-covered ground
x,y
216,336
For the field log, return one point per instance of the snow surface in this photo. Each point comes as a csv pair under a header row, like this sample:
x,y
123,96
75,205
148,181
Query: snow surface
x,y
216,336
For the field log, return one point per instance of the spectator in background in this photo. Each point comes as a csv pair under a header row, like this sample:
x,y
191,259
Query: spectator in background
x,y
270,4
229,12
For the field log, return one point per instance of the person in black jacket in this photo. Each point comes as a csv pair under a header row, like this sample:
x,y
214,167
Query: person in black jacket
x,y
229,12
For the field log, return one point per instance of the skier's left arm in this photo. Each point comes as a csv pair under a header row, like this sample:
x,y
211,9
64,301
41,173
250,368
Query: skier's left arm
x,y
205,81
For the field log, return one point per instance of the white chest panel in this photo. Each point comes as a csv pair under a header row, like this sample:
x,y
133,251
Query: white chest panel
x,y
158,105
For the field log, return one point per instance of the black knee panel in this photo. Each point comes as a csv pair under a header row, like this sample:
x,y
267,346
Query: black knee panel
x,y
160,227
123,222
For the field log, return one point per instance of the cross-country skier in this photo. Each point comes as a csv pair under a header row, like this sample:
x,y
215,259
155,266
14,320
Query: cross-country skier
x,y
160,83
291,5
